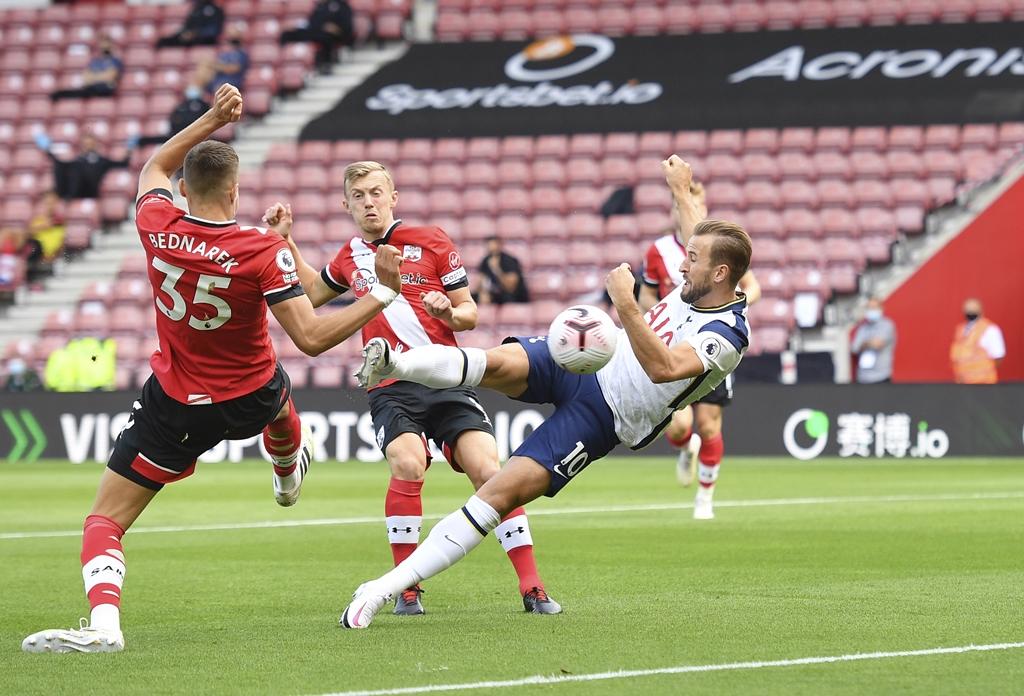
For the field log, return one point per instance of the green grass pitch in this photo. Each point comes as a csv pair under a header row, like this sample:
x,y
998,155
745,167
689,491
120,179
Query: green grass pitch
x,y
803,560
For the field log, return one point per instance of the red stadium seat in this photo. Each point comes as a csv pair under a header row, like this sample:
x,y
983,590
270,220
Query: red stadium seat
x,y
801,222
514,226
656,143
884,12
548,199
798,193
920,11
796,165
796,140
583,199
413,175
689,143
910,219
833,139
991,10
515,24
486,149
726,194
723,167
748,16
905,164
942,162
583,170
516,147
481,173
478,228
839,222
878,248
514,173
765,223
383,151
649,20
761,140
726,141
446,175
873,192
772,312
580,20
906,138
482,24
451,26
760,165
714,18
618,171
870,138
849,13
479,200
781,14
347,151
979,135
876,222
615,20
770,252
845,251
624,228
586,144
942,137
548,21
445,202
867,164
834,192
834,165
762,194
313,152
842,278
548,171
910,191
652,197
679,19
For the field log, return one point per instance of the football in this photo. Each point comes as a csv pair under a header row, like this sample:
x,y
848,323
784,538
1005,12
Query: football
x,y
582,339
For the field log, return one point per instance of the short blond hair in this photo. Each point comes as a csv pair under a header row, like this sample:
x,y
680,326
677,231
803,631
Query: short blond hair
x,y
357,170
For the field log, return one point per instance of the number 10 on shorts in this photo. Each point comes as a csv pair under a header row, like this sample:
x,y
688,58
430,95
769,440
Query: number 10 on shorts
x,y
574,462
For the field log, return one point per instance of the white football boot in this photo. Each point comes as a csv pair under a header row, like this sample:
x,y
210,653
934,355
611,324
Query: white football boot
x,y
686,465
288,488
366,602
376,363
65,640
702,507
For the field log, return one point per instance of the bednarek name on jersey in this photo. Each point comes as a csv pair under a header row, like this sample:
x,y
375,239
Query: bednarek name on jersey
x,y
184,242
643,409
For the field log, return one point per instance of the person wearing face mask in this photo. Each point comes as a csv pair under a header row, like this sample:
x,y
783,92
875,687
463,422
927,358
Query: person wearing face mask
x,y
184,115
100,77
874,342
978,347
21,377
229,67
202,26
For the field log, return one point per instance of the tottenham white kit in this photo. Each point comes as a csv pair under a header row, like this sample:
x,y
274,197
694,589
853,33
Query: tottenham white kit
x,y
643,409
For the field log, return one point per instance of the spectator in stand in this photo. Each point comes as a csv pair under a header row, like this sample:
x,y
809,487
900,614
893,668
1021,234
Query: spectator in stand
x,y
100,77
229,67
978,347
44,237
202,26
501,278
82,176
874,342
184,115
330,25
21,377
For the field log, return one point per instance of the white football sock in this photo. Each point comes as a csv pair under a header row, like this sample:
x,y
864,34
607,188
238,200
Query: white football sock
x,y
440,367
448,542
513,533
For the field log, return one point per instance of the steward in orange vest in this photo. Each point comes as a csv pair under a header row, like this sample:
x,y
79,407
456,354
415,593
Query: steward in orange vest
x,y
970,361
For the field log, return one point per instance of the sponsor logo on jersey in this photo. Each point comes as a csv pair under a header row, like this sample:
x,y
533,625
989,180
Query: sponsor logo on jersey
x,y
454,260
285,260
414,279
413,253
453,277
361,281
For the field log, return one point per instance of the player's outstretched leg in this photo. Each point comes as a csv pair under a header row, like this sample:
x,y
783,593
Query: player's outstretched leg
x,y
448,542
435,366
707,474
290,445
513,534
103,570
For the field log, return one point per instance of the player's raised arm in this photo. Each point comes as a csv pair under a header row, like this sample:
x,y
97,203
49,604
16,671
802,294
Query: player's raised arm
x,y
679,177
661,363
279,218
156,174
314,334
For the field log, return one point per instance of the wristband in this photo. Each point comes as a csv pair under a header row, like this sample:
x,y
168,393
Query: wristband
x,y
383,293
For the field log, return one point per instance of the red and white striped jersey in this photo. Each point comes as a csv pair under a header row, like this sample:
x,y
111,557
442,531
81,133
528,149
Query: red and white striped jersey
x,y
661,265
431,263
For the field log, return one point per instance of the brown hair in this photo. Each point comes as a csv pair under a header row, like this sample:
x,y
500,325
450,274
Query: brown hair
x,y
357,170
731,246
210,167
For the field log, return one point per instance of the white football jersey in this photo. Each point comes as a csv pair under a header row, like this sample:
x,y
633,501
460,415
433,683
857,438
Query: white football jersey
x,y
643,409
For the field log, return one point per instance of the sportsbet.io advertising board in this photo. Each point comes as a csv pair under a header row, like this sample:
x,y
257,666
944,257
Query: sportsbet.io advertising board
x,y
800,421
957,73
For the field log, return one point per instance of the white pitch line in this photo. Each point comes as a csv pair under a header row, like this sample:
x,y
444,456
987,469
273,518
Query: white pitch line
x,y
1002,495
627,674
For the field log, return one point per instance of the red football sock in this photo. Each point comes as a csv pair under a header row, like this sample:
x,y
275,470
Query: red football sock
x,y
514,536
681,442
403,514
102,561
710,457
282,439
